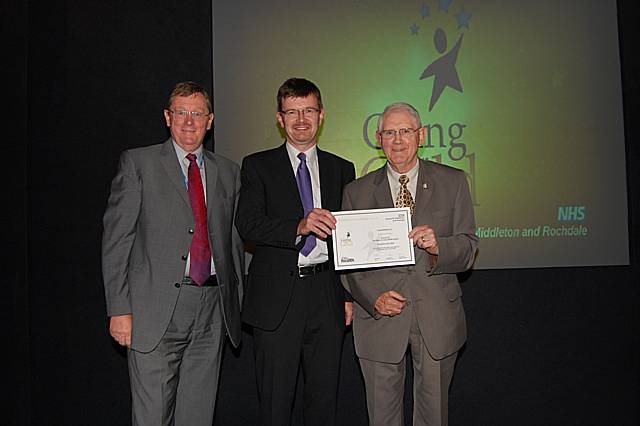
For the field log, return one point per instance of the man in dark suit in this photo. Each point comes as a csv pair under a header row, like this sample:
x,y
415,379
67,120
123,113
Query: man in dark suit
x,y
294,300
417,306
172,265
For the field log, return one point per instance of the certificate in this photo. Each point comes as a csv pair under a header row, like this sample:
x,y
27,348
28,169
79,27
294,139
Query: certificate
x,y
372,238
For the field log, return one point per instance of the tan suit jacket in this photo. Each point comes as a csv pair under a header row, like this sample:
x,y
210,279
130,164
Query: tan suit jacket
x,y
442,201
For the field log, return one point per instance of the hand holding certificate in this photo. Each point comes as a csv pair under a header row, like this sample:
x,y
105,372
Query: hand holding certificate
x,y
372,238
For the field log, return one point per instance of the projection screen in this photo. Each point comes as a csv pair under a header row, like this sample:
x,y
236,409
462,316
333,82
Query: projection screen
x,y
525,97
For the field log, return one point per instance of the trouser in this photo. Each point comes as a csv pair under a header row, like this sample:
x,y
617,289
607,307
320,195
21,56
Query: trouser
x,y
177,382
384,383
309,336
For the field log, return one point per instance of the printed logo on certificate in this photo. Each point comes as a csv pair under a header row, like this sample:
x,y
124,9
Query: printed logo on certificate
x,y
372,238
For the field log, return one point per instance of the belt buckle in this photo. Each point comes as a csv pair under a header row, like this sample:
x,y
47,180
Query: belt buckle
x,y
305,271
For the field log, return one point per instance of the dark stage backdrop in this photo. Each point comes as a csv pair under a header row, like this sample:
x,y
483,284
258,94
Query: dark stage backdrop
x,y
546,346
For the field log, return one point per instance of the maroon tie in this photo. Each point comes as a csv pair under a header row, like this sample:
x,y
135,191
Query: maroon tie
x,y
200,253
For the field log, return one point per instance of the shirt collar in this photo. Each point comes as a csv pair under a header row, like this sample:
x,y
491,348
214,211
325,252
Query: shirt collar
x,y
311,153
411,174
182,154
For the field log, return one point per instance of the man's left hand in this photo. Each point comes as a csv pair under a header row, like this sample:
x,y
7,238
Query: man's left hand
x,y
348,313
425,238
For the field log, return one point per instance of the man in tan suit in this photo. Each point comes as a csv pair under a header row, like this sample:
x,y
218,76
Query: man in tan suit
x,y
417,306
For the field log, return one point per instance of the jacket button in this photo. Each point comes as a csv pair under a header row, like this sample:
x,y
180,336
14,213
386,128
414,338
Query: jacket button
x,y
183,257
191,230
177,285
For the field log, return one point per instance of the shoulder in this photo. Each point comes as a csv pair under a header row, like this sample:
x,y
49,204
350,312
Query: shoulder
x,y
333,158
366,181
438,170
266,155
221,161
144,151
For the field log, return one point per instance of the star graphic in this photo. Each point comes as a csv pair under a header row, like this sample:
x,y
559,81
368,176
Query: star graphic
x,y
424,11
444,5
463,18
444,72
414,29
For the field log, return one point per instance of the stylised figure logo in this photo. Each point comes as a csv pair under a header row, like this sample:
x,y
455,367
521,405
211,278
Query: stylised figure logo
x,y
443,69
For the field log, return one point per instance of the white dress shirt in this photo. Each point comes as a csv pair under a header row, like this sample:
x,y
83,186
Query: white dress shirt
x,y
320,252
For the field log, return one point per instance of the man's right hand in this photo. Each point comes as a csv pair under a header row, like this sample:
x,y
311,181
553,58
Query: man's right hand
x,y
390,303
120,328
318,221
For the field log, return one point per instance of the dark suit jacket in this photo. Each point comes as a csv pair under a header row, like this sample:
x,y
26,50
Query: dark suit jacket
x,y
269,210
442,201
148,227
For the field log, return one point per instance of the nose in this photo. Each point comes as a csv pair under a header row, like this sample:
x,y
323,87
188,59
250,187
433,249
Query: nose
x,y
189,118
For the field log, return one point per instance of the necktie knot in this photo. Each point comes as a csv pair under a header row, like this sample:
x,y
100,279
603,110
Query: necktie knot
x,y
404,179
302,156
191,157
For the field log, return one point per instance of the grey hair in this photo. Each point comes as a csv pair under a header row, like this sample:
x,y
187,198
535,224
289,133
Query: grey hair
x,y
400,106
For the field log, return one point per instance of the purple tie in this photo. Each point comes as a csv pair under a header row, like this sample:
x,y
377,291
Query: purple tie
x,y
200,252
306,195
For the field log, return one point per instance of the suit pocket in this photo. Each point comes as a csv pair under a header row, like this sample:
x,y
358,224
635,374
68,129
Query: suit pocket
x,y
452,290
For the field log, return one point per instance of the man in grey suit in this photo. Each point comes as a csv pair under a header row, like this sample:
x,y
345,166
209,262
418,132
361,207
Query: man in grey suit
x,y
173,265
416,306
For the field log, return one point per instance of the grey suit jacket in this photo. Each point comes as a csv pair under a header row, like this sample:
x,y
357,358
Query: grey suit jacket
x,y
148,227
442,201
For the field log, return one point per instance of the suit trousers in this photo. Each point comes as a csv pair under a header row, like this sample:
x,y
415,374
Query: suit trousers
x,y
309,336
176,383
384,383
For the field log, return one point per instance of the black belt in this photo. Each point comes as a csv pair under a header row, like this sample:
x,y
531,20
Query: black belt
x,y
212,281
311,270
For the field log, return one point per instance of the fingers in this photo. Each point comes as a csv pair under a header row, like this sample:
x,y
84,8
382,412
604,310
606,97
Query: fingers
x,y
390,303
348,313
120,329
424,237
319,222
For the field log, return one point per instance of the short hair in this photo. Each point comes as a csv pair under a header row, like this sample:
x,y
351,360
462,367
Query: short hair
x,y
188,88
298,88
400,106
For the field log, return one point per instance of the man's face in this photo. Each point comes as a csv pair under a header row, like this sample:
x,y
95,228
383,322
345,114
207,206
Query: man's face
x,y
401,151
301,118
188,129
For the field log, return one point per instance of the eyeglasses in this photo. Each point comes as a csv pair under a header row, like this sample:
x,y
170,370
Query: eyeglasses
x,y
390,134
295,113
181,114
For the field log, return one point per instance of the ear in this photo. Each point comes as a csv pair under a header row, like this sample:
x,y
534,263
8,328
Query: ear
x,y
210,121
378,138
320,116
421,135
167,117
280,119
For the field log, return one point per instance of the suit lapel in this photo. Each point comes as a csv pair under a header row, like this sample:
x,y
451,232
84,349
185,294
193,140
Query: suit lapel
x,y
424,191
381,191
211,172
171,166
327,181
283,166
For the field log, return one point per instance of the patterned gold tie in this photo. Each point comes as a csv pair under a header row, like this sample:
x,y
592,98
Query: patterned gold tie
x,y
404,198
